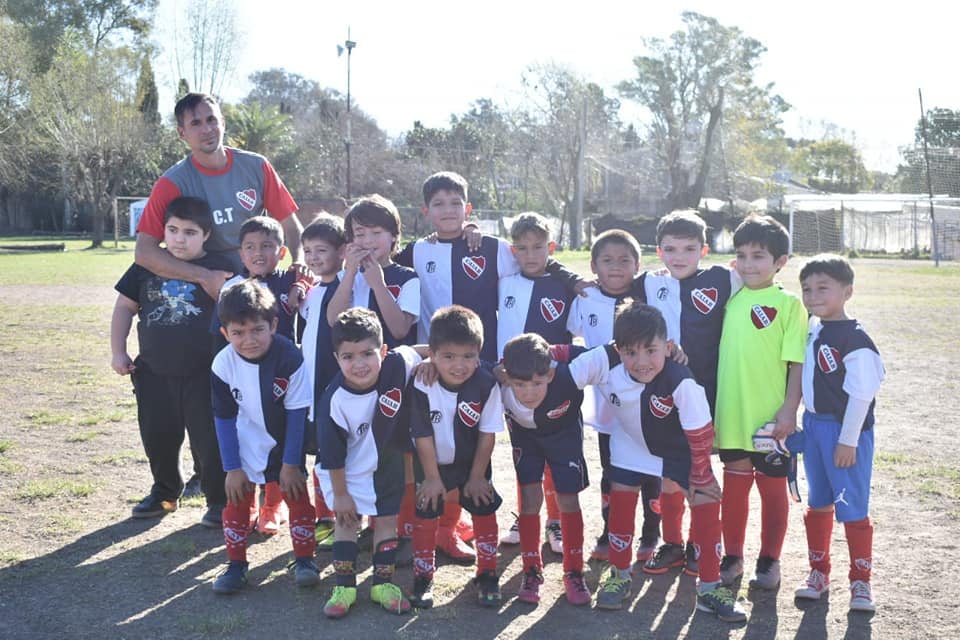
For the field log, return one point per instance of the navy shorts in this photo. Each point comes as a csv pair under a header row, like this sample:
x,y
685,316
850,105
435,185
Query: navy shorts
x,y
563,451
773,465
453,477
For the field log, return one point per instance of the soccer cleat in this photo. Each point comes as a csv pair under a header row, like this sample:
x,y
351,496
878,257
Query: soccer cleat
x,y
861,597
404,552
512,536
767,574
323,533
645,551
390,597
731,569
601,551
692,563
575,588
270,519
668,556
721,602
213,517
340,601
233,579
530,586
817,584
488,588
153,507
554,536
422,596
192,488
614,590
453,546
305,572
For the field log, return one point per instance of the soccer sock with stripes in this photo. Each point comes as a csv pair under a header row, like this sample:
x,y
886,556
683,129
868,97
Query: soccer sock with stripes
x,y
384,561
735,508
623,511
345,562
774,507
671,513
571,525
530,540
302,525
860,543
425,546
819,527
487,535
705,528
236,527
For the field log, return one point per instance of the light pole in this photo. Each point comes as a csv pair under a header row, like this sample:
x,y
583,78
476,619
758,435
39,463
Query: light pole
x,y
348,45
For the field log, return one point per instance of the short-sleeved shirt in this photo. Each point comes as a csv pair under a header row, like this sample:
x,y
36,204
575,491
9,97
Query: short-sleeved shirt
x,y
841,362
174,319
456,418
248,186
558,413
316,341
533,305
259,394
279,283
764,330
404,285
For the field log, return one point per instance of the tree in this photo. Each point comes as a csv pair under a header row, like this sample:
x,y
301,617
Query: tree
x,y
256,128
204,42
942,152
832,165
689,83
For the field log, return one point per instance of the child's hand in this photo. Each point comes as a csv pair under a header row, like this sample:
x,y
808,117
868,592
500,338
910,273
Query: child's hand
x,y
786,423
372,272
704,493
676,353
480,490
300,270
354,257
500,374
432,238
346,510
292,482
236,485
844,456
294,297
122,364
213,282
429,494
580,288
473,236
426,373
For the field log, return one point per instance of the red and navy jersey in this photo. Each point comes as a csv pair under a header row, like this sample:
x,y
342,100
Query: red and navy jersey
x,y
353,427
404,286
456,418
279,282
560,409
841,361
317,343
533,305
693,309
258,394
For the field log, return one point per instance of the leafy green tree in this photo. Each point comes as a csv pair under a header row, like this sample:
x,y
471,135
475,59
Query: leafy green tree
x,y
943,153
256,128
832,165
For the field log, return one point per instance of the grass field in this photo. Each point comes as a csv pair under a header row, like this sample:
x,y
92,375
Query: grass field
x,y
73,565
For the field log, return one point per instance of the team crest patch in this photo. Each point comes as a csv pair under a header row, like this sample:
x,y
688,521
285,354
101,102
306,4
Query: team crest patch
x,y
593,320
655,505
762,317
247,199
390,402
509,302
394,290
619,542
614,399
828,358
473,266
559,411
469,412
661,407
551,309
279,388
704,300
431,266
435,417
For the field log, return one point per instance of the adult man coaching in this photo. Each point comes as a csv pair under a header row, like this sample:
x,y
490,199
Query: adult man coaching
x,y
236,184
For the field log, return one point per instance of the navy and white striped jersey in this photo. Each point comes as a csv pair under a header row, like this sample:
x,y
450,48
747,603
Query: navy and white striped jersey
x,y
560,409
455,418
404,286
279,283
533,305
316,341
259,394
841,361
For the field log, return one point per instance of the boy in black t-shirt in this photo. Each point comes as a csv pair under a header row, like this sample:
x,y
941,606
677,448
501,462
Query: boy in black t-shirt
x,y
171,374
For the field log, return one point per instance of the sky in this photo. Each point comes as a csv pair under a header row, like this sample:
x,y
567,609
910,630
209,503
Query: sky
x,y
855,64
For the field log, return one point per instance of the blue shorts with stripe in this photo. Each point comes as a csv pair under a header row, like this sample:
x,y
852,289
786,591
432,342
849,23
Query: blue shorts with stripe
x,y
848,489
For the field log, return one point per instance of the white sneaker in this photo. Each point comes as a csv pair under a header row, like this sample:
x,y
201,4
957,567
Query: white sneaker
x,y
554,536
512,536
861,597
816,585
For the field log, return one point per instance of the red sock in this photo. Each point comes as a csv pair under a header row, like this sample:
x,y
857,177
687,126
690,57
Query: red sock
x,y
550,495
302,525
705,533
408,511
774,506
424,546
236,527
735,507
272,496
860,543
623,512
819,526
530,540
321,509
487,536
671,517
571,526
451,511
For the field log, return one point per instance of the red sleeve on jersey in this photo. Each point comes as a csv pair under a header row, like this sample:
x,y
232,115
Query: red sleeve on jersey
x,y
560,352
276,199
701,442
151,222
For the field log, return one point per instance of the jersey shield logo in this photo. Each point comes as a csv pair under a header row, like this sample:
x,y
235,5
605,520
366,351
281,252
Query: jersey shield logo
x,y
559,411
394,290
390,402
704,300
762,317
469,412
661,407
551,309
828,358
247,199
473,266
279,388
